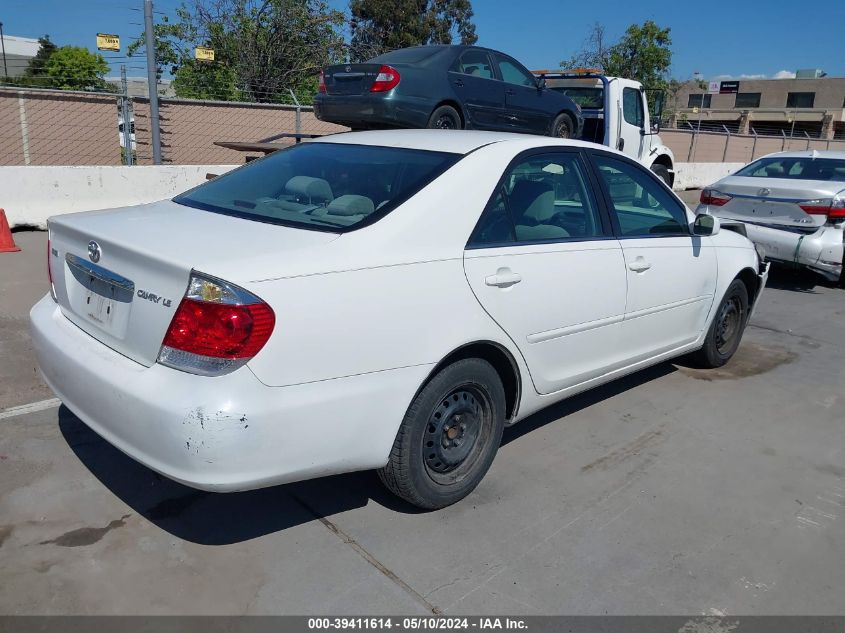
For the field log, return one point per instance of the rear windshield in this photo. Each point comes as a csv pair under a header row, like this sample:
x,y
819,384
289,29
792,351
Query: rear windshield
x,y
407,55
800,168
587,98
321,186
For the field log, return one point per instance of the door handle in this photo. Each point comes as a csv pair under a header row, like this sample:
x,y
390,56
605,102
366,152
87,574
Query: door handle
x,y
504,278
509,92
639,265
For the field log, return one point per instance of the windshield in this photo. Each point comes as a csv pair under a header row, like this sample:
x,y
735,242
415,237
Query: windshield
x,y
321,186
796,168
587,98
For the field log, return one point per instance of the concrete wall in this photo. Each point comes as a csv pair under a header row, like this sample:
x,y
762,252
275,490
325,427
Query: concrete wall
x,y
698,175
32,194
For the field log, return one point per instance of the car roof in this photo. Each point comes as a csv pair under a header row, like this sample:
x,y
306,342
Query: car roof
x,y
811,153
451,141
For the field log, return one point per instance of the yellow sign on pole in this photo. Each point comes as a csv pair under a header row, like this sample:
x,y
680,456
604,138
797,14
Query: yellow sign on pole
x,y
204,54
106,42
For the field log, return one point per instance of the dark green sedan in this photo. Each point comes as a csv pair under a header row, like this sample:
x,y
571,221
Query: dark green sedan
x,y
450,87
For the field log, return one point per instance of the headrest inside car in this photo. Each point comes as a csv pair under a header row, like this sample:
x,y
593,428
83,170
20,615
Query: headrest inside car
x,y
311,188
351,205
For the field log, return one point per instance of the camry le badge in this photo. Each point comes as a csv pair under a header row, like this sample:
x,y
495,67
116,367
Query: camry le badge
x,y
94,251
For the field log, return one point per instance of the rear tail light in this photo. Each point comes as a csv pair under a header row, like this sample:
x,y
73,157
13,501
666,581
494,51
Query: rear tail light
x,y
218,327
322,87
714,198
833,208
387,79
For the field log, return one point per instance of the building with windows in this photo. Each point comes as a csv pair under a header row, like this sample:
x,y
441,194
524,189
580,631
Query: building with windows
x,y
814,106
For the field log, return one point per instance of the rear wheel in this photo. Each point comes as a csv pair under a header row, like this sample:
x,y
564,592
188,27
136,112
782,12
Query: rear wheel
x,y
562,126
445,118
725,332
449,436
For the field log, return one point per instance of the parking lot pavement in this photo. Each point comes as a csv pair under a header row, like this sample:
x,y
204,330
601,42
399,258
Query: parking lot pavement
x,y
672,491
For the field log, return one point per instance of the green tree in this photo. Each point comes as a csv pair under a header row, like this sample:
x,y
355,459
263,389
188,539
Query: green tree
x,y
38,64
642,53
77,68
264,49
379,26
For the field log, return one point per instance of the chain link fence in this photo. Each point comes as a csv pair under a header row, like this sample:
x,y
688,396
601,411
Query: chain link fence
x,y
47,126
713,145
58,127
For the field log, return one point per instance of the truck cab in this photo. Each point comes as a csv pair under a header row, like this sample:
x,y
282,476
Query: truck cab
x,y
616,114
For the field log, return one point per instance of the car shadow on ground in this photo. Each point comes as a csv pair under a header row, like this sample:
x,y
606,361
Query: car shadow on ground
x,y
210,518
786,277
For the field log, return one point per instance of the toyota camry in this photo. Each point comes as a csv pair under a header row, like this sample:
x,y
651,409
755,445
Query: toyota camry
x,y
383,300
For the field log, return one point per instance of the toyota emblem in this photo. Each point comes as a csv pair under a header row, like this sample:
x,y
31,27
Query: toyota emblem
x,y
763,192
94,251
349,69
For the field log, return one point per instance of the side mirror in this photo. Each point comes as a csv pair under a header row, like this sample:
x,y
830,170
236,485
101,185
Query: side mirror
x,y
655,126
705,224
541,83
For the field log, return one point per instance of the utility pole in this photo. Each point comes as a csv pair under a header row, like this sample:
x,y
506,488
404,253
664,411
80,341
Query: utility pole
x,y
152,81
128,124
3,45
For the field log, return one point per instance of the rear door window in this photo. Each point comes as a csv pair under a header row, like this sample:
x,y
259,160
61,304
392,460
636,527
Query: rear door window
x,y
475,63
332,187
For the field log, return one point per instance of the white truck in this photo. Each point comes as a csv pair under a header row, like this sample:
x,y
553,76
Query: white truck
x,y
616,114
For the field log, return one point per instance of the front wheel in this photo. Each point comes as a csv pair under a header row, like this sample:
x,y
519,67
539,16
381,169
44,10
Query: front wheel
x,y
562,126
662,172
725,332
445,118
449,436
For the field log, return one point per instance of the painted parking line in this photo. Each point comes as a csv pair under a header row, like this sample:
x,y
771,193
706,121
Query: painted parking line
x,y
32,407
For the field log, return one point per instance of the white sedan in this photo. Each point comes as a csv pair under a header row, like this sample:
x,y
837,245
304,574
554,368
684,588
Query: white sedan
x,y
379,300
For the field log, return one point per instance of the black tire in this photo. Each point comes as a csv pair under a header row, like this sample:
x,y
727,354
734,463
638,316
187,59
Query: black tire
x,y
449,436
562,126
444,118
725,332
662,172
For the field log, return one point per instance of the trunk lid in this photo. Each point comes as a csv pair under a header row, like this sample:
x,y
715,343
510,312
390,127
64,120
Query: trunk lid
x,y
144,256
772,201
350,79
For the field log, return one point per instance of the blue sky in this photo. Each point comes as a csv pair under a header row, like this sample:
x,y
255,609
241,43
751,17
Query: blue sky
x,y
715,38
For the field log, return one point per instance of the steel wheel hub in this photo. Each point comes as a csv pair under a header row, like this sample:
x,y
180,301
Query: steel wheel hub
x,y
727,327
452,431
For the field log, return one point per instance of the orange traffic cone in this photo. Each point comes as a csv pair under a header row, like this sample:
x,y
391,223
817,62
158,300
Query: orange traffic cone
x,y
7,242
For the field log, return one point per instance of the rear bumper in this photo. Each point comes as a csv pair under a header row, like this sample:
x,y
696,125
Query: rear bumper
x,y
373,110
821,251
226,433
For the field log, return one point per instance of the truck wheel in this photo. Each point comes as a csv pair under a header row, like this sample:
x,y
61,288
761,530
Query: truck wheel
x,y
445,118
449,436
725,332
662,172
562,126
